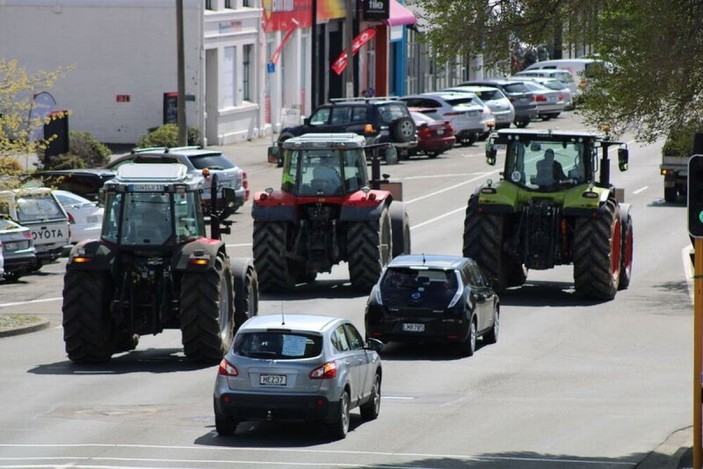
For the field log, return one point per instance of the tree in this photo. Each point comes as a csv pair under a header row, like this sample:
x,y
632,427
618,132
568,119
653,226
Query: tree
x,y
655,82
17,90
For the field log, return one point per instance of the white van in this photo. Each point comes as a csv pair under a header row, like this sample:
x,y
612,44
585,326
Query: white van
x,y
580,69
563,76
40,211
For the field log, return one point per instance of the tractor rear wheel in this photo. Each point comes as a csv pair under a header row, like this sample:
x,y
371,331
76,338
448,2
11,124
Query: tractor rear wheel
x,y
87,325
597,250
483,242
369,250
271,266
207,312
400,227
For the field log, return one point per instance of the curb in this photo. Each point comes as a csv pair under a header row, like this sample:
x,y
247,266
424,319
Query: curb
x,y
43,324
673,453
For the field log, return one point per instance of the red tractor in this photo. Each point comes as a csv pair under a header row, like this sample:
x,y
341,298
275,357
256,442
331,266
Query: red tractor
x,y
327,211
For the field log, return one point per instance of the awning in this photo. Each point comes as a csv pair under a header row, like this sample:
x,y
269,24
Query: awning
x,y
399,15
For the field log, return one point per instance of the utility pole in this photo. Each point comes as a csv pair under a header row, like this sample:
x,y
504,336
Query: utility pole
x,y
181,99
348,39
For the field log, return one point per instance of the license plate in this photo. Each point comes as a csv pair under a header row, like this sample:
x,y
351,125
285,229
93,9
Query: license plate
x,y
413,327
272,380
440,132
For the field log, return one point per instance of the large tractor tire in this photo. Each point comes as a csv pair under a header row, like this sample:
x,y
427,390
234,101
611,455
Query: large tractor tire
x,y
626,253
87,324
246,299
272,267
483,241
207,312
597,254
400,227
369,250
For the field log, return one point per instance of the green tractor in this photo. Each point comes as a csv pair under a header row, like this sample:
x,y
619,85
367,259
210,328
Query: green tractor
x,y
549,209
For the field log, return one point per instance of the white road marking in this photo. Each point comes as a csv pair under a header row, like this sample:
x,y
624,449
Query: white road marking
x,y
641,189
432,220
44,300
449,188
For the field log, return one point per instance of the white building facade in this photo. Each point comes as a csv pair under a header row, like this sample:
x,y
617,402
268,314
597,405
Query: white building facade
x,y
123,55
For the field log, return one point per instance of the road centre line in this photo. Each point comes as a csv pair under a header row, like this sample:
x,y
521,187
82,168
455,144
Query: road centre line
x,y
44,300
641,189
449,188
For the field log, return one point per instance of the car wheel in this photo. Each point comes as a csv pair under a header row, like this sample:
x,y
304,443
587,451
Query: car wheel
x,y
390,155
340,427
432,154
468,347
670,194
371,409
521,124
225,426
491,337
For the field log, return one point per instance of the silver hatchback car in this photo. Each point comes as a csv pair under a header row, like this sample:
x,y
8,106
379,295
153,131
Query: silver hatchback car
x,y
298,367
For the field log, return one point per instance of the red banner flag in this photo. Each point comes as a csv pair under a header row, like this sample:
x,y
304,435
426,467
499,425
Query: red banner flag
x,y
277,53
364,36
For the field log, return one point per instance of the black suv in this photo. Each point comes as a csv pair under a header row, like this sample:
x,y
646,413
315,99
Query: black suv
x,y
84,182
518,94
423,298
380,120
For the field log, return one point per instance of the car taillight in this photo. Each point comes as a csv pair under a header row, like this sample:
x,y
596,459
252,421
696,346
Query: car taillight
x,y
71,219
326,371
425,131
227,369
540,98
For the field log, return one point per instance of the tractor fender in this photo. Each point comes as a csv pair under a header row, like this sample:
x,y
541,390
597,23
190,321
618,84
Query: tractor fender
x,y
363,213
93,255
203,248
274,206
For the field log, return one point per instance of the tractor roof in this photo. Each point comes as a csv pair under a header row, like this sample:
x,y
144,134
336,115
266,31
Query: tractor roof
x,y
153,177
503,135
325,140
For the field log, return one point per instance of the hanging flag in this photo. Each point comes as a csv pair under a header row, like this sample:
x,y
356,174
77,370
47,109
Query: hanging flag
x,y
364,36
277,53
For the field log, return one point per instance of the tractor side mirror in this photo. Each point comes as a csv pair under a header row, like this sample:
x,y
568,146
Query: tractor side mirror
x,y
274,154
491,153
623,157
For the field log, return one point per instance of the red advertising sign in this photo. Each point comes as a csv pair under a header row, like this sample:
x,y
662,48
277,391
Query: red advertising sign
x,y
277,53
280,15
364,36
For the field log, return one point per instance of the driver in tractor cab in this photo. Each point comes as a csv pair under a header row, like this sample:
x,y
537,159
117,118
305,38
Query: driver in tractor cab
x,y
549,171
326,177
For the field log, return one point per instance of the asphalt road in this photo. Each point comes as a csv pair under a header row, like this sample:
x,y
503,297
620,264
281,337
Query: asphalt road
x,y
570,383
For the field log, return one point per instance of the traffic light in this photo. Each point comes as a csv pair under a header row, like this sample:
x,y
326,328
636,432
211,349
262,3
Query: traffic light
x,y
695,196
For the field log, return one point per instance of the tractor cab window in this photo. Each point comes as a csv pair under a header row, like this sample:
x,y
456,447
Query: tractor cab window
x,y
188,218
324,172
546,166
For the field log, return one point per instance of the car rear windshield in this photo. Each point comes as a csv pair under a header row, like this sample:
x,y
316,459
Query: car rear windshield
x,y
516,88
211,162
402,284
490,95
280,345
462,102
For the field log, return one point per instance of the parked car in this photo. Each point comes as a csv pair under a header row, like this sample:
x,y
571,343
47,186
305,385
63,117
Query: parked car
x,y
519,96
469,116
556,85
18,250
501,107
85,182
199,161
550,103
581,69
39,210
564,76
85,217
434,133
380,120
298,368
427,298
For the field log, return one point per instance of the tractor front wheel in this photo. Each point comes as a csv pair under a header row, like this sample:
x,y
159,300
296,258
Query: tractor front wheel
x,y
400,227
207,312
483,241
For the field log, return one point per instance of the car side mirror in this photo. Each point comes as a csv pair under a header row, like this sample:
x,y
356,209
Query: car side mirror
x,y
274,154
374,344
229,196
623,157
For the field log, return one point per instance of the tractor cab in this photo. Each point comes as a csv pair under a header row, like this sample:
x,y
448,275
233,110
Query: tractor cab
x,y
313,166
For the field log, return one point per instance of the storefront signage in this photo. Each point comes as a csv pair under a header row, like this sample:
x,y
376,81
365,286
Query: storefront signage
x,y
376,9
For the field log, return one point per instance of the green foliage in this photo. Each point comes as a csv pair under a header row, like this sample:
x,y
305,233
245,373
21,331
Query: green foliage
x,y
84,152
167,136
679,142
